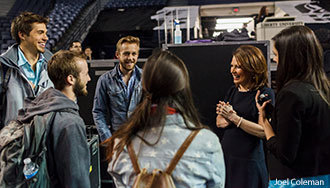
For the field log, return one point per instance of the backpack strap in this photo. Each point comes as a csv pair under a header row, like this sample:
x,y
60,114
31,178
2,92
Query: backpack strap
x,y
181,151
133,158
5,71
43,124
175,159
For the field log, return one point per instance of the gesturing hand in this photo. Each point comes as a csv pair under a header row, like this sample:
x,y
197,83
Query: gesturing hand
x,y
227,112
220,106
261,108
221,122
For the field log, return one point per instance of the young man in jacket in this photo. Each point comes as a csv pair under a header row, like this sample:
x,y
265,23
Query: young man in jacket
x,y
23,67
118,91
68,156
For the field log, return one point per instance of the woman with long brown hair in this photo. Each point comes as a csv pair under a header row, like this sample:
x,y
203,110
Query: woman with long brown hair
x,y
298,135
263,13
159,125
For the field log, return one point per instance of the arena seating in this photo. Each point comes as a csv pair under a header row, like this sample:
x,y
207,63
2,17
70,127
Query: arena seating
x,y
36,6
61,16
5,37
135,3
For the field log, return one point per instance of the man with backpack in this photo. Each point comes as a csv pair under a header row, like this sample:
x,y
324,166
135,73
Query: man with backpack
x,y
23,67
69,158
67,152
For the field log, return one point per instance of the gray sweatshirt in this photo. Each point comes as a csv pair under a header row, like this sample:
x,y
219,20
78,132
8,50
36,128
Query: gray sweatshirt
x,y
68,157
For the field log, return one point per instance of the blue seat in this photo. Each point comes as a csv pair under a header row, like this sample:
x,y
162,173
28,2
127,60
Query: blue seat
x,y
4,46
56,37
5,36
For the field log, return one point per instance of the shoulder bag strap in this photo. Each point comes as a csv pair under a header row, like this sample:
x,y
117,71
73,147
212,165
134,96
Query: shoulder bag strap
x,y
42,127
133,158
181,151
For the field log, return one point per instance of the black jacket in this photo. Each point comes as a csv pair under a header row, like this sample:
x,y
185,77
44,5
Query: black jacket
x,y
301,122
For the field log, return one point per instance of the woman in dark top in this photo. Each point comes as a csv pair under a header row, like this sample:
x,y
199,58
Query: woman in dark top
x,y
299,134
263,13
238,115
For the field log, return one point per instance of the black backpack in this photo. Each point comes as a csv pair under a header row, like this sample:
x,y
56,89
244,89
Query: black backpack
x,y
20,140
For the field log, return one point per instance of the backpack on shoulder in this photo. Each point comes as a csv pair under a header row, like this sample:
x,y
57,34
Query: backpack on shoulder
x,y
5,73
158,178
18,141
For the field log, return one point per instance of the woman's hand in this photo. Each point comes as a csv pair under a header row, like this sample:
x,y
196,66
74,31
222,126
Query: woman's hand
x,y
220,106
221,122
261,108
226,110
269,132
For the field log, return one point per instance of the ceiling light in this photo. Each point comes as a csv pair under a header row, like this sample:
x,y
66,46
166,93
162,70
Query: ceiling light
x,y
234,20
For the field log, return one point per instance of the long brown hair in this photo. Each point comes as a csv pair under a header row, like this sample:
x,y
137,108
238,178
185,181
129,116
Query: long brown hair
x,y
301,58
253,62
165,82
262,12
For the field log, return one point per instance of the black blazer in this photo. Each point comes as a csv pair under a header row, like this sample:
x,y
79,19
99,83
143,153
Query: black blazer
x,y
301,122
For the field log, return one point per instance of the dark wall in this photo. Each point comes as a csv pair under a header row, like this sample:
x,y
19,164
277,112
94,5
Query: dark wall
x,y
322,32
325,4
105,42
111,25
209,69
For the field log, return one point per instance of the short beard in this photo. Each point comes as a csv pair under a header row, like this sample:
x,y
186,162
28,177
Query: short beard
x,y
78,89
126,69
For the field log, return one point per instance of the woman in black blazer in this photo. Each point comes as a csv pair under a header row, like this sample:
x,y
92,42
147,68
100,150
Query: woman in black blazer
x,y
298,137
